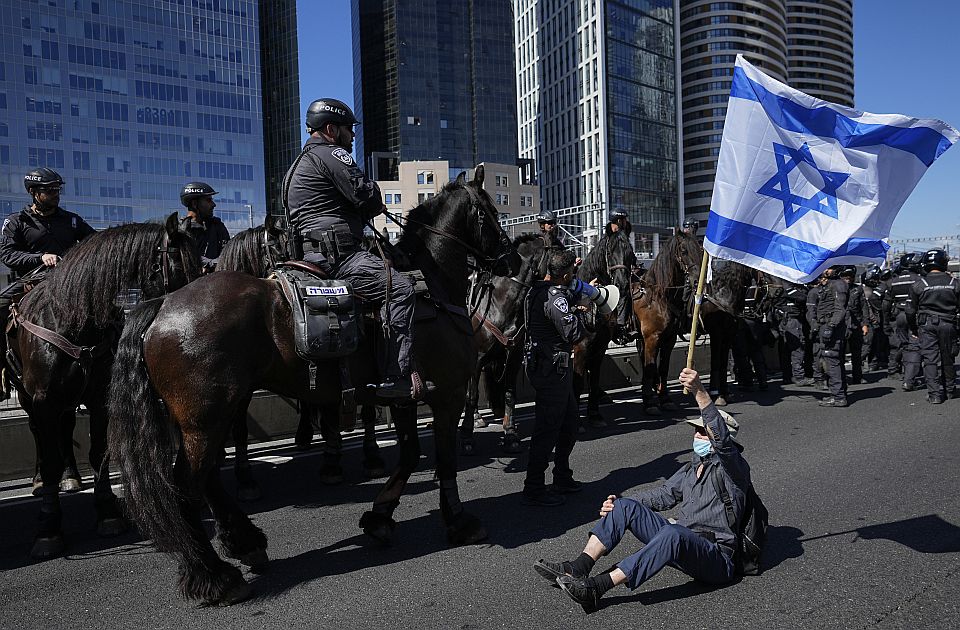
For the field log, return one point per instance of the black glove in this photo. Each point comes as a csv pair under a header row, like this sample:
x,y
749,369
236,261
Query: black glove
x,y
826,333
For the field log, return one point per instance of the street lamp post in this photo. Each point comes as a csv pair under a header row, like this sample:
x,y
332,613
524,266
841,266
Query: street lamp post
x,y
249,207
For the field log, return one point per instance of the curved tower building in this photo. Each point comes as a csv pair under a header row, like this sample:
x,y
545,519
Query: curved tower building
x,y
820,48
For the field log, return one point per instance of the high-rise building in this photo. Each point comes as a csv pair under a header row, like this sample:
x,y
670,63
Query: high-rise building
x,y
434,80
820,48
805,43
131,99
597,104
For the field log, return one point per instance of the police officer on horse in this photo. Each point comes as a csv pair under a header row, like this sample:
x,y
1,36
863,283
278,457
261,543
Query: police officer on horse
x,y
931,313
208,231
329,200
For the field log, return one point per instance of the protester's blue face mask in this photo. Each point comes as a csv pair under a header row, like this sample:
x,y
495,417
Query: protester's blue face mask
x,y
702,447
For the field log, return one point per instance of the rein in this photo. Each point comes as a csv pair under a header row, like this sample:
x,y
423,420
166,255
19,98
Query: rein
x,y
78,353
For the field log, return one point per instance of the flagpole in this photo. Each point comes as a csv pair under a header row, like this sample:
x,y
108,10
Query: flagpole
x,y
696,310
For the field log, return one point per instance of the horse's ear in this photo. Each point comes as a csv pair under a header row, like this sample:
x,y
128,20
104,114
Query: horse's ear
x,y
461,178
478,176
172,224
270,224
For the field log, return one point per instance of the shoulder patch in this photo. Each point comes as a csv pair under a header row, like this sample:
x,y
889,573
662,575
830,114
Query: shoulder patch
x,y
342,155
561,304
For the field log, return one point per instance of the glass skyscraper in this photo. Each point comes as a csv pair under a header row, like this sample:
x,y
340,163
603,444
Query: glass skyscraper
x,y
434,80
130,99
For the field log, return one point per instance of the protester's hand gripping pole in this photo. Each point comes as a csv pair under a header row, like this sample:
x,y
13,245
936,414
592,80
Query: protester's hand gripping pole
x,y
696,311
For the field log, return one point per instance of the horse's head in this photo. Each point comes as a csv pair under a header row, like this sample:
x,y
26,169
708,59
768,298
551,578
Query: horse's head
x,y
175,262
276,241
490,245
687,255
533,256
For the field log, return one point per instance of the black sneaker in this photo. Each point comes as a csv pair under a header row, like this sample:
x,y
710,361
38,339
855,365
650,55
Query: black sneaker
x,y
581,592
567,486
543,498
550,571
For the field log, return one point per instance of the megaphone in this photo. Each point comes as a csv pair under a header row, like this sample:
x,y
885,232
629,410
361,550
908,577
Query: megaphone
x,y
605,297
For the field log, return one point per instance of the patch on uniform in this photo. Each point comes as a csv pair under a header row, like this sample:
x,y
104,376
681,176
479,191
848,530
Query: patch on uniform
x,y
561,304
343,156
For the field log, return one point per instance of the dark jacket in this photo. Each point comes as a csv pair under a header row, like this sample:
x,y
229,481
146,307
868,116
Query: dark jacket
x,y
552,322
210,237
326,188
832,303
936,294
858,313
813,297
701,508
26,236
899,293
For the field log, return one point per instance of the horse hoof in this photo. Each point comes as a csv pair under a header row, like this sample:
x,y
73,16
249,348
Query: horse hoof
x,y
466,530
249,492
374,471
377,526
669,406
70,485
112,526
237,593
37,487
257,560
47,547
511,444
720,401
468,448
653,410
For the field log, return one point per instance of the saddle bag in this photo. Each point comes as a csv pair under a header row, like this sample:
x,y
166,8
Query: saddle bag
x,y
326,321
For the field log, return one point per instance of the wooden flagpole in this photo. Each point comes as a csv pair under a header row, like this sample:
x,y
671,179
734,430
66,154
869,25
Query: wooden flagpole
x,y
704,262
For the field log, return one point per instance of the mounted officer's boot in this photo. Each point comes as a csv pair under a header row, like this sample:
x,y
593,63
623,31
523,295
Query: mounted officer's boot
x,y
404,387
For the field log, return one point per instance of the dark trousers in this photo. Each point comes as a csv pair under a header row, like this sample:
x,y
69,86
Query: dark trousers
x,y
909,347
833,351
855,349
555,427
794,342
747,350
936,347
664,544
879,347
365,272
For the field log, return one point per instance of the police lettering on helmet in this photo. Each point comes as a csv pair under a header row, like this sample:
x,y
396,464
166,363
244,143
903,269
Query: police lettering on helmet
x,y
44,186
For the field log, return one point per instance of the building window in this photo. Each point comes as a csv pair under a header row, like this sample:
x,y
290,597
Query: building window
x,y
396,198
413,120
523,201
506,199
387,198
502,181
443,124
421,197
424,177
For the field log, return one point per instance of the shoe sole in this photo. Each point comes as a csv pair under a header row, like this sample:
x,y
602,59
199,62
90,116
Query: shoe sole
x,y
547,573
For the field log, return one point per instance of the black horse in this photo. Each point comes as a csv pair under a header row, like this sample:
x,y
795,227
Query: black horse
x,y
78,303
257,251
610,262
720,313
171,373
499,335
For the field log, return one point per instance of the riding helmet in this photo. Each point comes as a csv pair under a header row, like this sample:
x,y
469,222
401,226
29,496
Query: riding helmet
x,y
691,223
328,110
871,277
616,214
936,259
848,271
546,216
196,190
42,178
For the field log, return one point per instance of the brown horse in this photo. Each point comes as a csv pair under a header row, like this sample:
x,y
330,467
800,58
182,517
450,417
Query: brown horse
x,y
175,373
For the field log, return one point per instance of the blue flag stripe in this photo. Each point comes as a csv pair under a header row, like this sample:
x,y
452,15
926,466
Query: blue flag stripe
x,y
784,250
925,143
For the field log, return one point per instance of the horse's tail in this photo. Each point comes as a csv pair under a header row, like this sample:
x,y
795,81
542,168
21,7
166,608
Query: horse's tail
x,y
141,442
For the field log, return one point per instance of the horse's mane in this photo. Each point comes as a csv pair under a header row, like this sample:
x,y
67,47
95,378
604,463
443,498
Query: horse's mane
x,y
526,237
242,253
664,272
729,283
81,294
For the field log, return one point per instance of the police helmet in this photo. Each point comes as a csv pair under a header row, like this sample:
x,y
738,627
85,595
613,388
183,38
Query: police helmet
x,y
42,178
912,261
849,271
328,110
616,214
935,259
691,223
871,277
546,216
886,274
195,190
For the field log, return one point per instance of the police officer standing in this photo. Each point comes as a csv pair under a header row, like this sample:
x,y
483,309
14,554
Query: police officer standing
x,y
553,327
328,200
874,289
35,238
208,231
813,351
931,313
857,316
905,345
832,321
789,305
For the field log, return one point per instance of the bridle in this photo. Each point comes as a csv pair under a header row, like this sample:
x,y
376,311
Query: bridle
x,y
164,249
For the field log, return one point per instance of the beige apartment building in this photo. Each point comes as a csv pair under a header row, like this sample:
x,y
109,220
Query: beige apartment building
x,y
421,180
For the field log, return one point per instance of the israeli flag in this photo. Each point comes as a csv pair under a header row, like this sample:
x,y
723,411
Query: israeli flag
x,y
803,184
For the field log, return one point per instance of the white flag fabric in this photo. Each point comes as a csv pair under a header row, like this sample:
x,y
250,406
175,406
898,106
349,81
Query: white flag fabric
x,y
803,184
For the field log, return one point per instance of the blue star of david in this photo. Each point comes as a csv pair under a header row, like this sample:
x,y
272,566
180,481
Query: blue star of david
x,y
794,206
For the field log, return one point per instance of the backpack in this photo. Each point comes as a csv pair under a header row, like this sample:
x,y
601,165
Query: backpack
x,y
751,531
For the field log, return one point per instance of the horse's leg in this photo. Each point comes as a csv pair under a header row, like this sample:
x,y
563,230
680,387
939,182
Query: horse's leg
x,y
239,537
651,349
110,520
331,473
373,464
71,472
471,417
508,382
378,522
247,487
667,343
45,419
304,436
462,527
719,360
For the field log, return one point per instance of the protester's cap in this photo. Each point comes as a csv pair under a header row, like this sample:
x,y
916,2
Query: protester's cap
x,y
732,425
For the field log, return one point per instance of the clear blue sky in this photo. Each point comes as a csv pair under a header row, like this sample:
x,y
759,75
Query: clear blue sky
x,y
906,57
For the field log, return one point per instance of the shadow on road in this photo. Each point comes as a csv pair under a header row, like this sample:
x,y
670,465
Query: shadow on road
x,y
923,534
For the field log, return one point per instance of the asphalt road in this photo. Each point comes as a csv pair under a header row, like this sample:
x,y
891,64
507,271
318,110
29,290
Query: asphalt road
x,y
865,533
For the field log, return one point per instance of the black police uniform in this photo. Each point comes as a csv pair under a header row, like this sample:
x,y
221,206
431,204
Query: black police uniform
x,y
210,236
857,315
814,347
27,235
832,321
328,199
931,311
747,350
553,326
904,346
877,340
789,306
